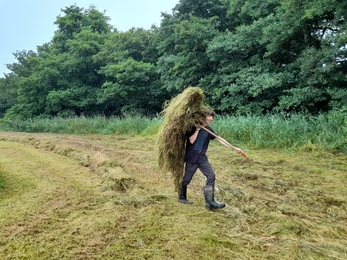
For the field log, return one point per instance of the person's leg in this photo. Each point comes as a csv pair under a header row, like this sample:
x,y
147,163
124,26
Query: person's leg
x,y
209,198
189,172
207,170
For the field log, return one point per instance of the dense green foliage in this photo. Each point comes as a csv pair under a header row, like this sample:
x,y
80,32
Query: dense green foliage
x,y
278,131
248,56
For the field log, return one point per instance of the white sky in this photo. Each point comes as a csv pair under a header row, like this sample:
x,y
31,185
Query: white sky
x,y
25,24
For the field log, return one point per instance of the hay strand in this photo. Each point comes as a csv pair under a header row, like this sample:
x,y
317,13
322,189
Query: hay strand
x,y
180,115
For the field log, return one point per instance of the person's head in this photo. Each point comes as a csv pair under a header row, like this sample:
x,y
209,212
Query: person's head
x,y
210,114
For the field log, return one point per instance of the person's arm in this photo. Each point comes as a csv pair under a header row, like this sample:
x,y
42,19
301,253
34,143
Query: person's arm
x,y
193,137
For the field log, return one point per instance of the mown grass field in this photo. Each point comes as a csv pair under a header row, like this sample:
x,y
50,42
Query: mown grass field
x,y
68,196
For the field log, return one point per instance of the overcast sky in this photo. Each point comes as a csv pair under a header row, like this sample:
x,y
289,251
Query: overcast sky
x,y
25,24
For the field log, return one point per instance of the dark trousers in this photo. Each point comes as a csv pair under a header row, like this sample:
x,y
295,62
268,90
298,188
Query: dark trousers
x,y
204,167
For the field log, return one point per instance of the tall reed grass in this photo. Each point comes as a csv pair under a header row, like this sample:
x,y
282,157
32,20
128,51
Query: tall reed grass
x,y
134,125
328,131
279,131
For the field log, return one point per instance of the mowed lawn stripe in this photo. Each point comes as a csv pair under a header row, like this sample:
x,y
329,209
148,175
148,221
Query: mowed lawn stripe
x,y
45,194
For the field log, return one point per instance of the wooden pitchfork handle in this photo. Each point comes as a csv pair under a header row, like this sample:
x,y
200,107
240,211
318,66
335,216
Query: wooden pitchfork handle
x,y
224,142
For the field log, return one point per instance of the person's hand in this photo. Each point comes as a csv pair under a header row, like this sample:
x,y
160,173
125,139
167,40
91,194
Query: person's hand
x,y
198,127
238,150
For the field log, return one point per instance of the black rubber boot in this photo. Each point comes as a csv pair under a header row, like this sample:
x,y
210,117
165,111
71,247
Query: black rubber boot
x,y
182,196
209,198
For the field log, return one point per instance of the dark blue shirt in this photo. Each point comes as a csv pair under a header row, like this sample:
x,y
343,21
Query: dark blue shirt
x,y
196,152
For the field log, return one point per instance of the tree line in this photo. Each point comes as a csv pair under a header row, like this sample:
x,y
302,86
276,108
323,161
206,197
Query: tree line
x,y
249,57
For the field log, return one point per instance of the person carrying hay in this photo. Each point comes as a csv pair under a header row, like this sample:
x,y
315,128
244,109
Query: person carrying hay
x,y
196,158
183,140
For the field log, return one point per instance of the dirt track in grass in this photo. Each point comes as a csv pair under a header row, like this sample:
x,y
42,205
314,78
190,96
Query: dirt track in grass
x,y
101,197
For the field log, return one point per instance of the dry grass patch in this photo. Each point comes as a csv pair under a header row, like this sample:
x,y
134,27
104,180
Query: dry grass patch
x,y
280,205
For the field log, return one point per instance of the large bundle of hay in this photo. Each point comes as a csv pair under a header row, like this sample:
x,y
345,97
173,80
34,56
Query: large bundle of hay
x,y
180,115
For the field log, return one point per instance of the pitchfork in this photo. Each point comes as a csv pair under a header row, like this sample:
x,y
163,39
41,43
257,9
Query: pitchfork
x,y
225,142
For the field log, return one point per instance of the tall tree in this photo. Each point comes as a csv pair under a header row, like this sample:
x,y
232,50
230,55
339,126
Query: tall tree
x,y
187,63
132,80
245,80
8,90
78,85
316,31
185,35
63,77
186,9
74,19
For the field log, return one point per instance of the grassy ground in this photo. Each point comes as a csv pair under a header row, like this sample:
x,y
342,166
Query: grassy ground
x,y
100,197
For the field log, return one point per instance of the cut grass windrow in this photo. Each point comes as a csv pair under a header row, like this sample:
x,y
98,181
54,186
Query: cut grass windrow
x,y
101,197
